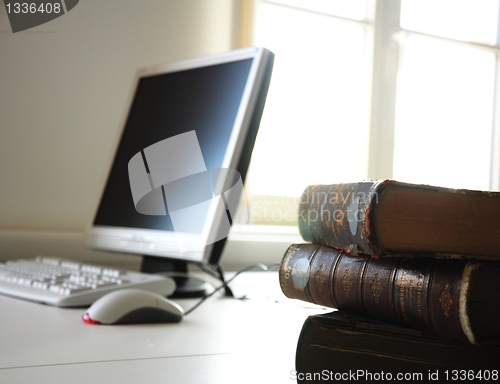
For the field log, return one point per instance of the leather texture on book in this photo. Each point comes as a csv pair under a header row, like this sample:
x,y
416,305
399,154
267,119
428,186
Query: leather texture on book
x,y
452,298
342,347
387,217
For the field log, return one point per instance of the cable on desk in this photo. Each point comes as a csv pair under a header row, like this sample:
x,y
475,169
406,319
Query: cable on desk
x,y
226,282
216,271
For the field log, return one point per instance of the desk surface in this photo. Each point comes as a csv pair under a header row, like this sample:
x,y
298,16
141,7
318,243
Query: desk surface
x,y
223,341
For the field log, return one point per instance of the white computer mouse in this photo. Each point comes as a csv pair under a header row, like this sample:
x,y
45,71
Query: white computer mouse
x,y
133,306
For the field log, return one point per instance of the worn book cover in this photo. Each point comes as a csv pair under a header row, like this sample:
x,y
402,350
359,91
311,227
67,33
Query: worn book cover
x,y
340,347
453,298
388,217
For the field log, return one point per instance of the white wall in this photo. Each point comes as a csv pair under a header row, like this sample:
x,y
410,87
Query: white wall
x,y
64,86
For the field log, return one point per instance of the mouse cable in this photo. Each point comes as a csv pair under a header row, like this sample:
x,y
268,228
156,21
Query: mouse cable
x,y
216,271
225,283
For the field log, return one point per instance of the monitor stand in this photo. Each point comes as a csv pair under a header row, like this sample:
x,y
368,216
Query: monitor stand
x,y
187,286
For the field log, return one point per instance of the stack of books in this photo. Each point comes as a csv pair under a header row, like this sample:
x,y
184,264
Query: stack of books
x,y
413,272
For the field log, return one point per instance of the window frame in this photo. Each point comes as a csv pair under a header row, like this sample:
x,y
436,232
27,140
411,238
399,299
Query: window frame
x,y
384,52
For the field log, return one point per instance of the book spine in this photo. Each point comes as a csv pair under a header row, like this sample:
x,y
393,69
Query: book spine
x,y
422,293
340,216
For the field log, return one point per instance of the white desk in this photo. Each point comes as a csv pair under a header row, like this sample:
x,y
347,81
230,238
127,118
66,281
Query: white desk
x,y
223,341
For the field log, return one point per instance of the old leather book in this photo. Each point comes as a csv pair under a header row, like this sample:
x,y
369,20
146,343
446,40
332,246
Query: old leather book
x,y
386,217
452,298
340,347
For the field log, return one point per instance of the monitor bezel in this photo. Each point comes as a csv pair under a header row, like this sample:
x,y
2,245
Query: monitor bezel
x,y
163,244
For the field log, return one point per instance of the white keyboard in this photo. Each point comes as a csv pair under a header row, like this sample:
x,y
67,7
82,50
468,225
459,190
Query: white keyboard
x,y
68,283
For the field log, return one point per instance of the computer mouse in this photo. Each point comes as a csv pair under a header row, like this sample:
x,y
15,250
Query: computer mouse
x,y
133,306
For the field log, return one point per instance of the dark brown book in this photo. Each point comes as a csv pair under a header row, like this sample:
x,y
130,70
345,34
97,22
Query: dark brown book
x,y
452,298
340,347
385,217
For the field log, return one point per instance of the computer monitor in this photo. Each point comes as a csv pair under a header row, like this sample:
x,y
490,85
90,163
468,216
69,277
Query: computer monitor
x,y
176,178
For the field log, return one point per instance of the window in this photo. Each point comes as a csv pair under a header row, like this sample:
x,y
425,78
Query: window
x,y
446,93
402,89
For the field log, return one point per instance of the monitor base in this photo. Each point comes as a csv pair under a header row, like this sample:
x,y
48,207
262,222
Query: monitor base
x,y
187,286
